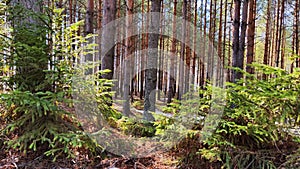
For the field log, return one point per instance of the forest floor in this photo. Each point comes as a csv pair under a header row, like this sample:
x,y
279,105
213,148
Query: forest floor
x,y
10,159
179,157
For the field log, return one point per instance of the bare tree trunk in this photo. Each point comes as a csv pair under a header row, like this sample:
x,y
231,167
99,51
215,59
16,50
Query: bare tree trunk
x,y
172,57
267,48
279,46
161,53
108,38
283,48
142,56
243,36
220,32
297,42
151,72
188,50
182,51
194,45
203,73
251,34
237,60
89,19
224,38
128,57
267,39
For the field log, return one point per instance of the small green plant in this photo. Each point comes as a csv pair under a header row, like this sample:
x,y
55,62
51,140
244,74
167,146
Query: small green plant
x,y
139,104
137,127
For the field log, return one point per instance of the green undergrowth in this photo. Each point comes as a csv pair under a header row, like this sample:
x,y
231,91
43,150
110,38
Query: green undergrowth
x,y
254,130
37,109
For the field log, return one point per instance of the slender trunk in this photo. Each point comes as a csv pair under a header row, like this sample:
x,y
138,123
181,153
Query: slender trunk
x,y
224,35
142,56
203,73
151,72
283,48
279,46
297,42
161,53
129,51
267,39
188,50
220,32
194,45
108,36
250,35
243,36
237,61
182,51
89,19
172,57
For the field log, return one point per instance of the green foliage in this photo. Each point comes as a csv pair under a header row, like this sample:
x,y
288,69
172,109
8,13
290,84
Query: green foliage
x,y
173,107
136,127
138,105
38,101
258,113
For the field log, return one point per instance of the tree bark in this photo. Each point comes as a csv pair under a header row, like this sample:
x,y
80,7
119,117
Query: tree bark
x,y
251,34
151,72
182,51
128,57
108,38
237,60
172,57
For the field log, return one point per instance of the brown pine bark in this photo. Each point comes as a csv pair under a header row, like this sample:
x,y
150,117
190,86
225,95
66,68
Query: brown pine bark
x,y
108,36
280,50
277,44
161,53
187,49
297,42
118,66
142,55
128,57
267,48
194,44
224,39
237,60
204,57
171,90
267,39
282,66
220,32
243,35
89,19
250,35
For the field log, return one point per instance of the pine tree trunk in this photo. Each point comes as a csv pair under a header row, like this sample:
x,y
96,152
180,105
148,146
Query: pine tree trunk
x,y
250,35
194,45
128,57
182,51
267,39
172,57
297,42
151,72
108,36
237,61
